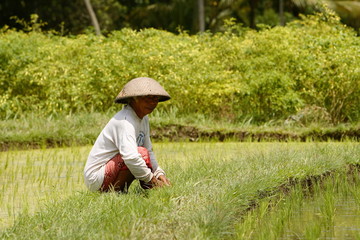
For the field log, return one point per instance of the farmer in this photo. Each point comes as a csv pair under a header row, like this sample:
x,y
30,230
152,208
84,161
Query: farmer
x,y
123,151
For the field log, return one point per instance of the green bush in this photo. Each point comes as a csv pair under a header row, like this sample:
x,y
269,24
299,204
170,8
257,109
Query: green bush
x,y
239,74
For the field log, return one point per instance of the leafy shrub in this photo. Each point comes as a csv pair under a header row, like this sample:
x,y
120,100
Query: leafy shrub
x,y
237,75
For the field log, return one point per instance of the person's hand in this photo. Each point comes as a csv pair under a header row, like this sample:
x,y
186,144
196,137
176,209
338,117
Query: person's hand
x,y
164,180
156,183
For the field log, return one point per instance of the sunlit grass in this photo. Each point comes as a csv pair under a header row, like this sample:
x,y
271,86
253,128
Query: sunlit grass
x,y
213,186
30,178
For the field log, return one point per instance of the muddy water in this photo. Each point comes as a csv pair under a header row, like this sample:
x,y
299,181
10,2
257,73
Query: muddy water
x,y
329,216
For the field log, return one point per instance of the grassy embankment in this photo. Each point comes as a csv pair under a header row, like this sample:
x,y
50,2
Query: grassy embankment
x,y
214,186
34,131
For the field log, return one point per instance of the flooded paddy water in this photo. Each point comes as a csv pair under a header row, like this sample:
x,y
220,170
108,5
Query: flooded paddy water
x,y
332,217
326,207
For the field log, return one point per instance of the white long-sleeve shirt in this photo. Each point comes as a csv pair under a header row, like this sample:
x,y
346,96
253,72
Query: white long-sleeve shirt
x,y
123,134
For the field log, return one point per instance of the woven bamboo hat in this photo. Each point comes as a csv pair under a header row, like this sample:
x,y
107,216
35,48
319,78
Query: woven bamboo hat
x,y
142,86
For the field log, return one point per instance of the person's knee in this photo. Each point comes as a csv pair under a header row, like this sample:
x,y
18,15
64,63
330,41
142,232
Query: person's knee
x,y
146,156
143,151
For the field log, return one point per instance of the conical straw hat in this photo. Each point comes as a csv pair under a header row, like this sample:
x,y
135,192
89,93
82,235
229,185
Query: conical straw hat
x,y
142,86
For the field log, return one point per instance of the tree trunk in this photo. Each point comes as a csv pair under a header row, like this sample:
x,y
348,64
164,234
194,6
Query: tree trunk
x,y
93,17
253,5
201,15
281,12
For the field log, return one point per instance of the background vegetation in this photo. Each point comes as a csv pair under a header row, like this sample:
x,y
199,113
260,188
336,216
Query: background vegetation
x,y
308,69
72,17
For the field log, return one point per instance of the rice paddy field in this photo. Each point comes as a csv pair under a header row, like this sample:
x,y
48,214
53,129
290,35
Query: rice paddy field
x,y
229,190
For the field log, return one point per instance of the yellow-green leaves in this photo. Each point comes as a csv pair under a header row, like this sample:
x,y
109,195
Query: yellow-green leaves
x,y
265,75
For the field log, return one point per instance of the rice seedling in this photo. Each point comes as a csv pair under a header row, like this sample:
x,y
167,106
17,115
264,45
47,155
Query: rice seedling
x,y
326,211
29,178
214,186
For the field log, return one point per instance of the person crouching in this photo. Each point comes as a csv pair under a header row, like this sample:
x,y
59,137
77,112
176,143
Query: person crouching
x,y
123,151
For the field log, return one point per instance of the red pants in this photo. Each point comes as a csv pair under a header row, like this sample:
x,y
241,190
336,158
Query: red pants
x,y
115,165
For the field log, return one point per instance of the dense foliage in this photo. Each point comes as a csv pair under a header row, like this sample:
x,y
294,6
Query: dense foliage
x,y
308,69
72,16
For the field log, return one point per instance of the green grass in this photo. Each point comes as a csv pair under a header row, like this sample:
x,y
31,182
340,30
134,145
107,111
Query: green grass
x,y
34,130
43,196
38,131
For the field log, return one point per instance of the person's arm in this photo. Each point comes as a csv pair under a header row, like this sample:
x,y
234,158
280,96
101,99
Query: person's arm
x,y
158,172
148,145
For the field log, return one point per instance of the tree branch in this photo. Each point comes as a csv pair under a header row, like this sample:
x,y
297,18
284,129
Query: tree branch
x,y
93,17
